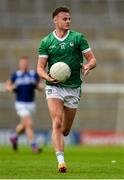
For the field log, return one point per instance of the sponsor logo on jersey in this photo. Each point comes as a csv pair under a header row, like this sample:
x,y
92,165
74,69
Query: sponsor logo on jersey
x,y
52,47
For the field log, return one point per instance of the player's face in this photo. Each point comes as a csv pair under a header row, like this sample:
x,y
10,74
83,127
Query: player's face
x,y
24,64
62,21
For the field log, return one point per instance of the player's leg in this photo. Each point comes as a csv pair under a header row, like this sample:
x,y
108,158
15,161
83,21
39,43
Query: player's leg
x,y
56,111
25,112
14,138
28,125
72,98
19,128
68,117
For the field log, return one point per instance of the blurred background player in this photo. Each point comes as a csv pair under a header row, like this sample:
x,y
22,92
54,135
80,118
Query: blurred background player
x,y
23,83
63,99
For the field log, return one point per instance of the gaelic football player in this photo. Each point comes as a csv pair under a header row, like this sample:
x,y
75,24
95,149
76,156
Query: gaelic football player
x,y
66,45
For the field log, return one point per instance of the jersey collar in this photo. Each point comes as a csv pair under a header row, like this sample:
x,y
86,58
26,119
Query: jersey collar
x,y
61,39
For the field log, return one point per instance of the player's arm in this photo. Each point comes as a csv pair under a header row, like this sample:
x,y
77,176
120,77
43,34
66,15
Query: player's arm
x,y
41,65
91,62
9,86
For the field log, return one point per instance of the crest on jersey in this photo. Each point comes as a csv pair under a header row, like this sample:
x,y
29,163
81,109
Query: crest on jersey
x,y
71,44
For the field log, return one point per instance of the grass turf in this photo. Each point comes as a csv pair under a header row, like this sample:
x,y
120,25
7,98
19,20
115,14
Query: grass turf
x,y
83,163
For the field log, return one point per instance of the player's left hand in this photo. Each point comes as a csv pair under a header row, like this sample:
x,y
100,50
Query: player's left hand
x,y
40,86
85,69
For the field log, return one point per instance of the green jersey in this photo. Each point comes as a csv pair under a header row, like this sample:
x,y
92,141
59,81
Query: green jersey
x,y
69,50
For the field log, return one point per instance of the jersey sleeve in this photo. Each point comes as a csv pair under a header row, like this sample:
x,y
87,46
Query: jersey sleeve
x,y
43,50
84,46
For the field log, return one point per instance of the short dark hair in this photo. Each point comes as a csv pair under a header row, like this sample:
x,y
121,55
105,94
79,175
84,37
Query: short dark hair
x,y
60,9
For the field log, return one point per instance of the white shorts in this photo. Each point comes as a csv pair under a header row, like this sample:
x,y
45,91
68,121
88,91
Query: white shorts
x,y
70,96
24,109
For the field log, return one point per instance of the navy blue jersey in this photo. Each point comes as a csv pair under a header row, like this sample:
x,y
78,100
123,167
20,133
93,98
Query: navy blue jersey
x,y
25,85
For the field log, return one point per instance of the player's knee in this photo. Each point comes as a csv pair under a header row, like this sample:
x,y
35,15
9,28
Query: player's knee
x,y
28,125
57,124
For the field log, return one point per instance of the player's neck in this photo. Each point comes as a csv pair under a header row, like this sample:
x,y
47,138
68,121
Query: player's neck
x,y
60,33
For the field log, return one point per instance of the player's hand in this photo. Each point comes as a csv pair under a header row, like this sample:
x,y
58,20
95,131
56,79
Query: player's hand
x,y
52,80
10,87
40,86
85,69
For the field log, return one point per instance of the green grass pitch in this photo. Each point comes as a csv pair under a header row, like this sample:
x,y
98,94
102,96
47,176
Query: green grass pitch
x,y
83,163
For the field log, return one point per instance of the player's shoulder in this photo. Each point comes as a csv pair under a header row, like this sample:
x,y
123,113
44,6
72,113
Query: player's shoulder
x,y
76,33
17,73
47,38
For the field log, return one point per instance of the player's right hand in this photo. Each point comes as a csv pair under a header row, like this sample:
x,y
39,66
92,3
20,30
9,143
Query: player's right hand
x,y
52,80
